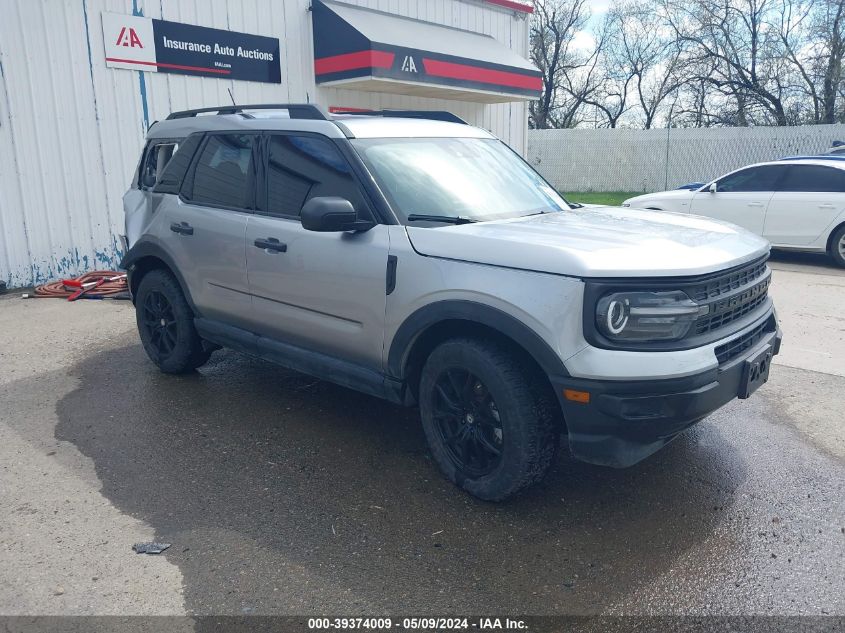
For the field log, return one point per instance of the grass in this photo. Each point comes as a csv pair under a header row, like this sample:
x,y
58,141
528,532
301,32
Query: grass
x,y
614,198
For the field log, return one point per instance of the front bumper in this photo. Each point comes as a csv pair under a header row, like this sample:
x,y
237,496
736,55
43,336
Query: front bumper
x,y
625,422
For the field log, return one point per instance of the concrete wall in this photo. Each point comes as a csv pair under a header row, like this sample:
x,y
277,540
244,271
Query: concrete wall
x,y
71,129
653,160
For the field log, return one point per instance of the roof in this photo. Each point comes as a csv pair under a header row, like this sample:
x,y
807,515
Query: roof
x,y
827,161
377,127
337,126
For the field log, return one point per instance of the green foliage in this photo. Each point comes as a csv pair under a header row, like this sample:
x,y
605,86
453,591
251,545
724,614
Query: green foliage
x,y
613,198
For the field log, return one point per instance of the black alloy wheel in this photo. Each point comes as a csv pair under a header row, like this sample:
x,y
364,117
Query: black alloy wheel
x,y
166,324
489,416
160,322
468,422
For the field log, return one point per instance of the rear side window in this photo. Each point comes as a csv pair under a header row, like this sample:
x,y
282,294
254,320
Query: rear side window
x,y
763,178
170,177
303,167
224,172
155,160
813,178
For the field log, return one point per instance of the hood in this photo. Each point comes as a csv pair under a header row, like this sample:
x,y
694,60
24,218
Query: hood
x,y
674,194
596,242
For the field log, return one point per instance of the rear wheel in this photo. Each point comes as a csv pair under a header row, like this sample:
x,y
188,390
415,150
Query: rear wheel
x,y
837,246
166,325
491,428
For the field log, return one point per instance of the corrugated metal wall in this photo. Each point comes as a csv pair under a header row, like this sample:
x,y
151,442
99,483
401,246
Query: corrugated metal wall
x,y
654,160
71,130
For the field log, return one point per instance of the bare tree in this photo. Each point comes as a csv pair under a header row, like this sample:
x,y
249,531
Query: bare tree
x,y
829,31
616,74
653,55
747,63
720,62
569,74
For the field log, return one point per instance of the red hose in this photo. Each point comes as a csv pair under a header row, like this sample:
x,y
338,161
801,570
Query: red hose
x,y
57,289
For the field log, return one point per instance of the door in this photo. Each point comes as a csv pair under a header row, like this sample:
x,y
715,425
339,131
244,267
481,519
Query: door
x,y
808,199
204,227
741,197
321,291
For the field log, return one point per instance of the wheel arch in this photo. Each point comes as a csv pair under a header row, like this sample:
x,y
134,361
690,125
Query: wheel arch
x,y
430,325
147,255
836,227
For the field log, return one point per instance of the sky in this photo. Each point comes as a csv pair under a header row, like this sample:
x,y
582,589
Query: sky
x,y
584,40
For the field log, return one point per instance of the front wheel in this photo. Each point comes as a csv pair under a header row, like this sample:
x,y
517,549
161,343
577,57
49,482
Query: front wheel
x,y
491,428
837,246
166,325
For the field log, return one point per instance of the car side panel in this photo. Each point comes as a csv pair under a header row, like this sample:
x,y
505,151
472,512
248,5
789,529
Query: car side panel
x,y
212,260
800,218
743,208
325,292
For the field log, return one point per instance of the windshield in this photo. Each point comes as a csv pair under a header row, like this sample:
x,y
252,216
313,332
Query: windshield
x,y
474,178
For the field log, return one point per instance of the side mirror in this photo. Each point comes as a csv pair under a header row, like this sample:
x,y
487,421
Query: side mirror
x,y
712,188
330,214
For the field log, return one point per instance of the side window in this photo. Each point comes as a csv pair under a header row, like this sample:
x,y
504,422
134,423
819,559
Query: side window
x,y
762,178
170,177
223,175
303,167
156,159
813,178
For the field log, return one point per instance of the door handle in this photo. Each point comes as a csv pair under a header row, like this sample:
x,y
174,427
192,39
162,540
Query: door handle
x,y
271,245
755,204
827,206
182,228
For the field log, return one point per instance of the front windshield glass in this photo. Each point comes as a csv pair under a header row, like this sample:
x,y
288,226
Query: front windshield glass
x,y
475,178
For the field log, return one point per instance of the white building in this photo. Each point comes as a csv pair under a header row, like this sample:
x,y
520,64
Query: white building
x,y
81,81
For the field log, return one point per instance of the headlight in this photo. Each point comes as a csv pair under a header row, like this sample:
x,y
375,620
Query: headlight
x,y
647,316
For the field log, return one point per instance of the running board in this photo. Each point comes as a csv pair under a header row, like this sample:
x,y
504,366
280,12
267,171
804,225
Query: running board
x,y
322,366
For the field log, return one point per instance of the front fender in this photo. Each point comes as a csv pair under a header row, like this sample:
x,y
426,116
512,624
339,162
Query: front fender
x,y
418,322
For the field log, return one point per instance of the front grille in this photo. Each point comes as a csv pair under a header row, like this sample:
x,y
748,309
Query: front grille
x,y
729,282
731,296
737,346
729,310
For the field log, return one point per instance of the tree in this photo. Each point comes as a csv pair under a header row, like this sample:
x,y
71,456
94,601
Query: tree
x,y
568,74
746,60
720,62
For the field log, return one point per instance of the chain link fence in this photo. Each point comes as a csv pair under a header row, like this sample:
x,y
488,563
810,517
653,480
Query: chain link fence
x,y
653,160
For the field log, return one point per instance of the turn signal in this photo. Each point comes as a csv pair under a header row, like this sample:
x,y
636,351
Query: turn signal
x,y
577,396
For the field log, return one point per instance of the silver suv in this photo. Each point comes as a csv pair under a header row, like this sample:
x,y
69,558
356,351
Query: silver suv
x,y
419,259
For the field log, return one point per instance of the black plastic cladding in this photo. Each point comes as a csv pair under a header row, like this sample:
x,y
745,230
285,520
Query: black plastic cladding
x,y
735,347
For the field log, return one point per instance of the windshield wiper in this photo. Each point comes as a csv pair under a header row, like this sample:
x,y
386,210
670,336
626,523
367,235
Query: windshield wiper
x,y
449,219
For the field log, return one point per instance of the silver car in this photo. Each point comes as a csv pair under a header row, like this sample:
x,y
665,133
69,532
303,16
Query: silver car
x,y
419,259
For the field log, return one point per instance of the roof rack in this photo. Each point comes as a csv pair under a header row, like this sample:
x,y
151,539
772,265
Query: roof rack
x,y
435,115
819,157
295,110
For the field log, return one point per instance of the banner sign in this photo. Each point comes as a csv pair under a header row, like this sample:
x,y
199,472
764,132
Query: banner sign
x,y
140,43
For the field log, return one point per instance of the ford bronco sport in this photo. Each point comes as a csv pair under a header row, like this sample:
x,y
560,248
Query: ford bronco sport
x,y
417,258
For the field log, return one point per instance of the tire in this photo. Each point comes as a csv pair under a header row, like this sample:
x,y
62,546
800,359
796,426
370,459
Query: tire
x,y
475,399
837,246
166,325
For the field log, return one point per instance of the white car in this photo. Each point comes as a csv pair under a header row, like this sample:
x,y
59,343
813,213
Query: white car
x,y
795,203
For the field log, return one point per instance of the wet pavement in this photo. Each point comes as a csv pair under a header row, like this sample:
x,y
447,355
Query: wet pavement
x,y
281,494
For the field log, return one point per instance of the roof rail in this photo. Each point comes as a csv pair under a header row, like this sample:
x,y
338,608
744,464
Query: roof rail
x,y
819,157
436,115
295,110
